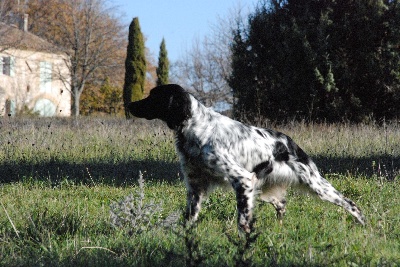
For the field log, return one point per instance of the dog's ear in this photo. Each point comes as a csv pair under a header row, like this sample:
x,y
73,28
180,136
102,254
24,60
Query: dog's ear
x,y
179,109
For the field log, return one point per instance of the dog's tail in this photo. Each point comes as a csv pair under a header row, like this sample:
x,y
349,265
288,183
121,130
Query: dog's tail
x,y
313,179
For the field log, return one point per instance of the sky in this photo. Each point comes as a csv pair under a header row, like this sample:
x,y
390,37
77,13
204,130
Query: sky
x,y
180,22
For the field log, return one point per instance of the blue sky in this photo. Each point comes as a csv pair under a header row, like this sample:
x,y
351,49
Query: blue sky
x,y
178,21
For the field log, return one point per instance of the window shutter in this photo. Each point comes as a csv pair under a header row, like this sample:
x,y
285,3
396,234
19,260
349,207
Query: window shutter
x,y
45,76
12,66
6,66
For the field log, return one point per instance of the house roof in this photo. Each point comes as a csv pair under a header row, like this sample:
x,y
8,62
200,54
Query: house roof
x,y
12,37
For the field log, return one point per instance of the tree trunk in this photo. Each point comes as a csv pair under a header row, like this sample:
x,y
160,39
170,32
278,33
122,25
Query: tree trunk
x,y
76,95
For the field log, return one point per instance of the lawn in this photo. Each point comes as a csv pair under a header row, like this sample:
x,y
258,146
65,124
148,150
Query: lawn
x,y
108,192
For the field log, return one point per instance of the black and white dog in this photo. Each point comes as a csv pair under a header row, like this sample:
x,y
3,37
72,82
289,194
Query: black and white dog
x,y
216,150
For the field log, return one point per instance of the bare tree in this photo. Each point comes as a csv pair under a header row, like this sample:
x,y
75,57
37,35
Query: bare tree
x,y
94,38
91,36
205,68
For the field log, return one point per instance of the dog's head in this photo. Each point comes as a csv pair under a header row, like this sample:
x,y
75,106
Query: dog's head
x,y
170,103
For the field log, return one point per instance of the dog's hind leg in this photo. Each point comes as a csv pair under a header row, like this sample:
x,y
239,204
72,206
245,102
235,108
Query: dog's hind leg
x,y
327,192
275,195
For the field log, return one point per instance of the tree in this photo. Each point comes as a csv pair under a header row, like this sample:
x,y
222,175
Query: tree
x,y
163,65
206,66
104,99
9,15
91,36
135,66
10,12
325,60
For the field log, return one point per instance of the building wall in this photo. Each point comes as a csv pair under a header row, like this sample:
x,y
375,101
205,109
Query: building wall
x,y
34,82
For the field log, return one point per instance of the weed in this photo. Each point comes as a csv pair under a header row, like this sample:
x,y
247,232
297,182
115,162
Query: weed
x,y
133,214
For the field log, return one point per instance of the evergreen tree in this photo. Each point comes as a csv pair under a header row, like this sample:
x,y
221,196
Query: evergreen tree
x,y
163,65
135,66
325,60
245,103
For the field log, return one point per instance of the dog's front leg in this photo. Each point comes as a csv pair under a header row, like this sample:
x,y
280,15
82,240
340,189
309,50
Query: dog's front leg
x,y
194,198
244,188
242,181
196,185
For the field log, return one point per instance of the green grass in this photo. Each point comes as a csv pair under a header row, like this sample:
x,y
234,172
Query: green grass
x,y
59,177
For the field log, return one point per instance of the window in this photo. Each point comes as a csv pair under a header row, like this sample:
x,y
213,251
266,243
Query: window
x,y
7,65
45,77
45,107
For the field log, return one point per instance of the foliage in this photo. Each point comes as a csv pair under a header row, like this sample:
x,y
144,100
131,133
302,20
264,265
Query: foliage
x,y
163,65
106,99
27,112
318,60
135,66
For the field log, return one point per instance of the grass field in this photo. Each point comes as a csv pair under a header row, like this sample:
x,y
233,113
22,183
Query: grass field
x,y
70,196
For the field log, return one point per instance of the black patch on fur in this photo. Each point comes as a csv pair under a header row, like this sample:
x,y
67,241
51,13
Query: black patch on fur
x,y
265,166
270,132
241,198
297,151
274,134
260,133
280,152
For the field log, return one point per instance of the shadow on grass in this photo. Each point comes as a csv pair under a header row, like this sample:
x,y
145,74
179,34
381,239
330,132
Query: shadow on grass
x,y
126,173
383,165
91,173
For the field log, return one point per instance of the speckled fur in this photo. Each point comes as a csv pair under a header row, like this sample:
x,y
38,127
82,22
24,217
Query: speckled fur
x,y
215,150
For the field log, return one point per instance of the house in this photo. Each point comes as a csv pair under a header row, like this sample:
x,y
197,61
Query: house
x,y
34,74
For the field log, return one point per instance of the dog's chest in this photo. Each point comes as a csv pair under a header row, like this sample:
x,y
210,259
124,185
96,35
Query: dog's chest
x,y
188,147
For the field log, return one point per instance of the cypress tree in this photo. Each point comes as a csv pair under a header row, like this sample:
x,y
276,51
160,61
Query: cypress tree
x,y
163,65
135,66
